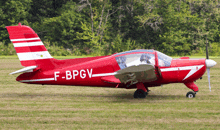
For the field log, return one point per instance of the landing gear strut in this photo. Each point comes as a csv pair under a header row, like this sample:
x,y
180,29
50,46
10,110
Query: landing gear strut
x,y
191,94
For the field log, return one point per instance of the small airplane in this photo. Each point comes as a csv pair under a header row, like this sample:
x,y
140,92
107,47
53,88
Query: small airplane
x,y
139,69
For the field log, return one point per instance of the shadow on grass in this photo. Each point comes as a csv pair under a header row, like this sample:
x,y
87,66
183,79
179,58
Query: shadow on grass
x,y
150,96
123,96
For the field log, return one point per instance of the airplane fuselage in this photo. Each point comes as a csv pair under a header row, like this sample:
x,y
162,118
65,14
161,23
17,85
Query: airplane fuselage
x,y
90,73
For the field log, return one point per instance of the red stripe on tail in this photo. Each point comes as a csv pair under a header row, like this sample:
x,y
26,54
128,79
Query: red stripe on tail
x,y
28,63
30,49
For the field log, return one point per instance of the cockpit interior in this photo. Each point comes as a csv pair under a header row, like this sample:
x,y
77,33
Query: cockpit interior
x,y
138,57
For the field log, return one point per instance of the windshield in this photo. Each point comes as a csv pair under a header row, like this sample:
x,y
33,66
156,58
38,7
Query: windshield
x,y
134,51
135,57
163,59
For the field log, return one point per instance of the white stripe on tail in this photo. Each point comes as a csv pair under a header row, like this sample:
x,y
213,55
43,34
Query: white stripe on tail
x,y
34,55
29,44
15,40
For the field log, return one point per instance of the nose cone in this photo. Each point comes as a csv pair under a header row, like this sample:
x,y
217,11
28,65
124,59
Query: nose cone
x,y
210,63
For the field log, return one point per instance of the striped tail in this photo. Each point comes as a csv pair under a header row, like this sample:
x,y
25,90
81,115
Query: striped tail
x,y
30,49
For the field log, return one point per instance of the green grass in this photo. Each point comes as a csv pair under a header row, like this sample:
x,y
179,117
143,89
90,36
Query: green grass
x,y
24,106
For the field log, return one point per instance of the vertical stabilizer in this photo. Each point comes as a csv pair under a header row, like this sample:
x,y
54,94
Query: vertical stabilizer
x,y
30,49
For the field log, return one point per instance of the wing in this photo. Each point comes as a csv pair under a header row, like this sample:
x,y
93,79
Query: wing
x,y
135,74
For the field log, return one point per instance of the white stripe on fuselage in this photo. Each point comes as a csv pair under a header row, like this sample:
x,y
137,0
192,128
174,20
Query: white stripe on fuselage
x,y
193,69
104,74
35,80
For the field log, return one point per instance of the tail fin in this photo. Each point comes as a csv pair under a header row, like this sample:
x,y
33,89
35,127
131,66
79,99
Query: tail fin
x,y
30,49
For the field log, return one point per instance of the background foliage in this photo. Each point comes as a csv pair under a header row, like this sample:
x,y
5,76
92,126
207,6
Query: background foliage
x,y
100,27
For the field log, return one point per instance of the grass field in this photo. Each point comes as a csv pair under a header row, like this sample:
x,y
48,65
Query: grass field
x,y
24,106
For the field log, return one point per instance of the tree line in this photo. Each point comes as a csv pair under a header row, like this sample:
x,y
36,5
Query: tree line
x,y
102,27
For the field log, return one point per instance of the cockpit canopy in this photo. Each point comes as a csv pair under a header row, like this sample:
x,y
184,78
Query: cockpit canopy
x,y
137,57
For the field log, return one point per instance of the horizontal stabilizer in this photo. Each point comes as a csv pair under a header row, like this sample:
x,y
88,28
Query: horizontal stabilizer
x,y
26,69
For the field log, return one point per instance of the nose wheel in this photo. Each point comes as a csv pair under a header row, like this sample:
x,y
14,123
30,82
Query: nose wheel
x,y
191,94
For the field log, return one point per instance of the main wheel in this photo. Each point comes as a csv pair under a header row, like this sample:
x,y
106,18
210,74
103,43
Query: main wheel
x,y
140,94
190,94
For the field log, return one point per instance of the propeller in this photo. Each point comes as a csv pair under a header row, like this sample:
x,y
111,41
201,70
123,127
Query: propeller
x,y
209,64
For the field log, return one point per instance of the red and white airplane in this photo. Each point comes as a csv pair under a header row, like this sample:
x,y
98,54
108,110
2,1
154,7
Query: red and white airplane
x,y
139,69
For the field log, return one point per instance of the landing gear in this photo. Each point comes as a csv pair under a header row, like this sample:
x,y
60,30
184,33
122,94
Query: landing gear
x,y
192,86
139,93
191,94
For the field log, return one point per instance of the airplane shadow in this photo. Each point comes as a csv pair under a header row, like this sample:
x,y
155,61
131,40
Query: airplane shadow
x,y
123,96
150,97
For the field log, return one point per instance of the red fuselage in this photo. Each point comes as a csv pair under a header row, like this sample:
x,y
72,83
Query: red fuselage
x,y
90,72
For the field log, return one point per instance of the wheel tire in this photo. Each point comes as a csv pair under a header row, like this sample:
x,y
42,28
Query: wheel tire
x,y
135,94
140,94
190,94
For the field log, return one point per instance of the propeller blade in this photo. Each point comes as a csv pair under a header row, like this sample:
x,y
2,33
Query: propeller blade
x,y
208,73
208,65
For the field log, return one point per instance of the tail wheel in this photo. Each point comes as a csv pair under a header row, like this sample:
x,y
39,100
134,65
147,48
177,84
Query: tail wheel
x,y
139,93
190,94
